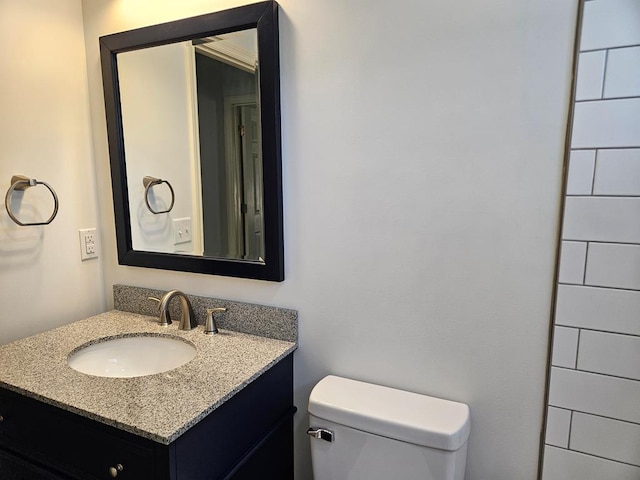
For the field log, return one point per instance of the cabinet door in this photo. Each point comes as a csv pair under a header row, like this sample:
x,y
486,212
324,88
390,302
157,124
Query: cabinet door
x,y
77,447
272,457
215,445
16,468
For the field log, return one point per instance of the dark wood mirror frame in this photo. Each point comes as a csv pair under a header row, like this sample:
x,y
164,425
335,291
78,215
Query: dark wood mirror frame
x,y
264,17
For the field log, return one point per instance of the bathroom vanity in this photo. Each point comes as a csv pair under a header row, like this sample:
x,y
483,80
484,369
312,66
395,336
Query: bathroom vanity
x,y
225,414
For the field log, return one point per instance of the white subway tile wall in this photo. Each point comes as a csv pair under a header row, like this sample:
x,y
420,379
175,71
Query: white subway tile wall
x,y
593,416
602,219
618,171
572,262
565,347
590,75
604,309
610,24
561,464
581,167
602,395
611,354
558,423
606,123
613,265
623,73
605,437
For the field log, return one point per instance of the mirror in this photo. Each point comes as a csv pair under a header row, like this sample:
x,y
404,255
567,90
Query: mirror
x,y
193,120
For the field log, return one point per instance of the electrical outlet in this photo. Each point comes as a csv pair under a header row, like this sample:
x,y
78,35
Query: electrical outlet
x,y
181,230
88,243
90,235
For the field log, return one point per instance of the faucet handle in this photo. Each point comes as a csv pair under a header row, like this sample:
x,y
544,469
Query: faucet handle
x,y
155,300
211,327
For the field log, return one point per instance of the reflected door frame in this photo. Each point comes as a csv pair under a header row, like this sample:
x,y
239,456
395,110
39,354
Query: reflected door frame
x,y
234,159
197,228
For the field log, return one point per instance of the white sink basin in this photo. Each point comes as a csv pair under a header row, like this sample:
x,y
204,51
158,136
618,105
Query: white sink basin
x,y
132,356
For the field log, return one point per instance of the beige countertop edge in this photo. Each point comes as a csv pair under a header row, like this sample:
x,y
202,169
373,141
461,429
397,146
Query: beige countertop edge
x,y
36,367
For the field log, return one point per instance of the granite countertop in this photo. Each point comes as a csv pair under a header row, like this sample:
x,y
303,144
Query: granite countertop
x,y
159,407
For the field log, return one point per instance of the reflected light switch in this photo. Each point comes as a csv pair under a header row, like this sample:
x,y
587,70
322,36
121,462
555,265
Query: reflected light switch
x,y
181,230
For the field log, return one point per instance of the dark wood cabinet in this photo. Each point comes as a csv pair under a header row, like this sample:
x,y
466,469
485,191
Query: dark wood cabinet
x,y
249,436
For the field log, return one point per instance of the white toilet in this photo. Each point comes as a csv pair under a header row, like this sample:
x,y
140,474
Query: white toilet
x,y
362,431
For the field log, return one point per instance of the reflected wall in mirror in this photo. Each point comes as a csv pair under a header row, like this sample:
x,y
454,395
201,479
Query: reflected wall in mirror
x,y
193,118
196,101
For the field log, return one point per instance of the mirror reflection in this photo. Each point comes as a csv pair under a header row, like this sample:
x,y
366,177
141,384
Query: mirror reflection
x,y
191,126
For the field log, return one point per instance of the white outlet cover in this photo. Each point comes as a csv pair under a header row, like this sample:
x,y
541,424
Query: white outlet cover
x,y
88,249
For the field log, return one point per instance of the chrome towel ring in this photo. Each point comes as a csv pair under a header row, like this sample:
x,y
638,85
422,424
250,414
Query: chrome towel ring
x,y
149,182
20,182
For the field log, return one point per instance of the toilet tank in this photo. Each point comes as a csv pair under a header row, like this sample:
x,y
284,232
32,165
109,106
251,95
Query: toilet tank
x,y
371,432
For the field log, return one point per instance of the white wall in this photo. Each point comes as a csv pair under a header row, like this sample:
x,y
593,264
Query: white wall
x,y
422,157
593,426
45,133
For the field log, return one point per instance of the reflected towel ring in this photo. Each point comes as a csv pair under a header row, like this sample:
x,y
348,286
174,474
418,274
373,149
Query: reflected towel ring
x,y
149,182
20,182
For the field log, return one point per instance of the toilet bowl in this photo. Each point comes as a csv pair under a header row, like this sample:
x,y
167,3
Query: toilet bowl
x,y
362,431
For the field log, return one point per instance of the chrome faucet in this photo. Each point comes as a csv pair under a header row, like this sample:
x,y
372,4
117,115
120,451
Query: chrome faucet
x,y
187,319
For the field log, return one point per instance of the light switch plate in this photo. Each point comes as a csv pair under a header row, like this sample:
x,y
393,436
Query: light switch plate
x,y
182,230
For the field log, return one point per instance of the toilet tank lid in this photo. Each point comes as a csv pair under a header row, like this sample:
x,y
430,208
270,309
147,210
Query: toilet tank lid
x,y
405,416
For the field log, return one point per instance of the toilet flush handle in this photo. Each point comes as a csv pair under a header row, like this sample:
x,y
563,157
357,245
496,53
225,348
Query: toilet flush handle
x,y
321,433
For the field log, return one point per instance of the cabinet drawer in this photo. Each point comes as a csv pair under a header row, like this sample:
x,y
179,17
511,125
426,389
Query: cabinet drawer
x,y
77,446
